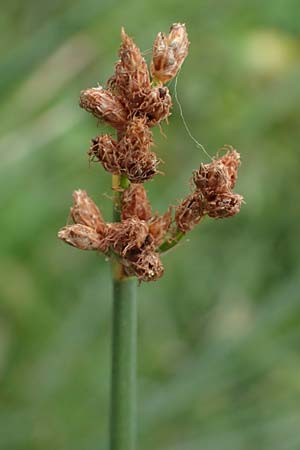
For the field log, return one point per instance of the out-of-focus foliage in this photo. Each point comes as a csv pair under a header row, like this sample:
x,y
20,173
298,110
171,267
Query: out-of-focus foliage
x,y
219,335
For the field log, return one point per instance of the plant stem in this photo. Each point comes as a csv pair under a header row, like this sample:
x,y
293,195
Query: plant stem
x,y
167,245
124,346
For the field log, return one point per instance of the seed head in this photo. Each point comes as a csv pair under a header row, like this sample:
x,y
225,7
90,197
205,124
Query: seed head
x,y
147,266
169,52
231,161
82,237
105,106
105,150
211,178
135,159
190,211
156,105
135,203
130,235
225,204
131,78
85,212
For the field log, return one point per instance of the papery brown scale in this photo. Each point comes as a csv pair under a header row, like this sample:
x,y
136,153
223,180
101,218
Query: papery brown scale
x,y
224,205
231,161
159,226
141,167
105,150
190,211
211,178
147,266
131,78
128,235
135,203
157,105
104,105
137,136
84,211
83,237
135,159
169,52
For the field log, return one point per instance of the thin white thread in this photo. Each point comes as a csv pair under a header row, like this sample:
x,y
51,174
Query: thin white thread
x,y
184,121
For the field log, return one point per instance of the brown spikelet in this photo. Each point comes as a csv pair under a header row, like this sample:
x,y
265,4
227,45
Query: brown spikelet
x,y
224,205
105,150
85,212
231,161
159,226
135,159
190,211
131,78
169,52
105,106
211,178
135,203
82,237
156,105
128,235
147,266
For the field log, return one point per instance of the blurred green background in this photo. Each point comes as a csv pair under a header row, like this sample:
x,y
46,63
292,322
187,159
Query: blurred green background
x,y
219,336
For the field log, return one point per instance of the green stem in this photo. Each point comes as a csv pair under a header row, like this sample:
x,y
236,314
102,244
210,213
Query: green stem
x,y
167,245
124,348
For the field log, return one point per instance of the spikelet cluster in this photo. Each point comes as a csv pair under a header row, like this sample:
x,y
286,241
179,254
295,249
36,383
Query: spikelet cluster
x,y
133,101
213,195
135,240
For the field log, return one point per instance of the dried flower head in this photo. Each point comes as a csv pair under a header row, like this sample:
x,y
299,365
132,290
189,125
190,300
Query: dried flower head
x,y
226,204
105,150
129,156
82,237
169,52
231,161
211,178
156,105
147,266
131,78
189,212
128,235
135,203
84,211
136,161
105,106
132,104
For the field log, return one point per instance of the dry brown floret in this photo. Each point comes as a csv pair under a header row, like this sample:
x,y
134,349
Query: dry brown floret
x,y
84,211
211,178
224,205
189,212
128,235
156,105
169,52
82,237
129,156
105,150
105,106
135,159
231,161
135,203
131,78
147,266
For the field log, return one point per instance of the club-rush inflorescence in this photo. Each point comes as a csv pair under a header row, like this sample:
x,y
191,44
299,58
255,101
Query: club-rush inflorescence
x,y
133,101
